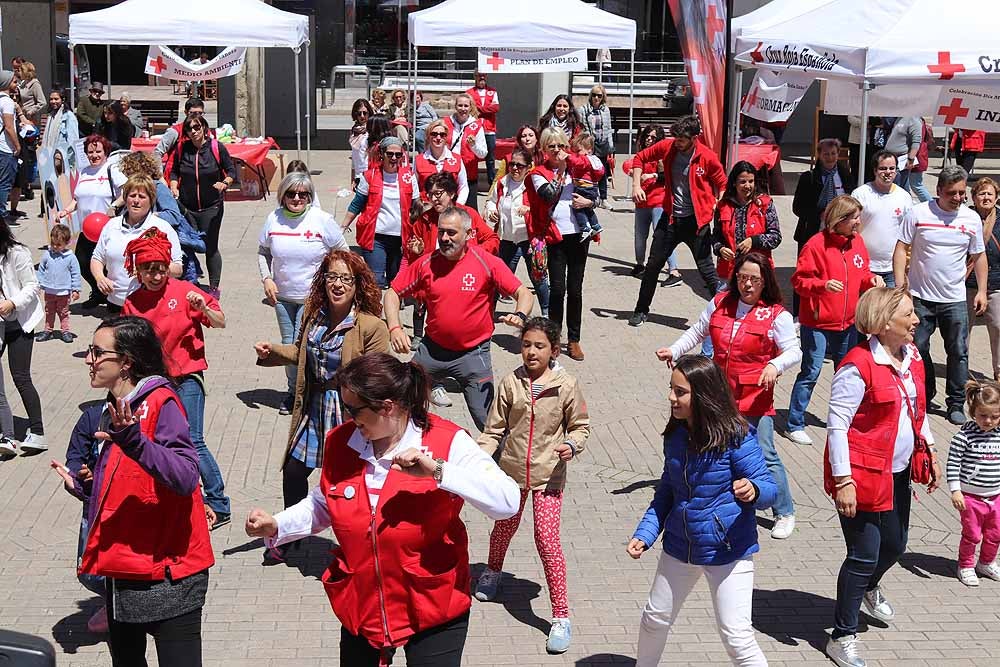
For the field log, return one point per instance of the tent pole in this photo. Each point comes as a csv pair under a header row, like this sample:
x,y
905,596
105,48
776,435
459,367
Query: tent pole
x,y
72,78
310,100
631,100
410,49
416,82
298,109
862,164
734,120
947,140
109,71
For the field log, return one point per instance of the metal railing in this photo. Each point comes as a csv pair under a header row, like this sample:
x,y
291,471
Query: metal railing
x,y
352,70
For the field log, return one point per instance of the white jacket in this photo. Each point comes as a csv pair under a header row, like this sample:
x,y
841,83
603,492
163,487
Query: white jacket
x,y
20,285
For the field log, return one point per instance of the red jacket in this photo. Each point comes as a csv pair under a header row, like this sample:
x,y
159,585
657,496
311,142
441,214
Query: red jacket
x,y
828,256
872,434
142,529
756,224
706,175
652,187
743,358
426,168
973,141
402,566
365,233
469,159
425,228
540,224
488,111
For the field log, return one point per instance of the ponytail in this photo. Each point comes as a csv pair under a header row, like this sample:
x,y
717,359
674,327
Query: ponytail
x,y
380,377
981,394
416,394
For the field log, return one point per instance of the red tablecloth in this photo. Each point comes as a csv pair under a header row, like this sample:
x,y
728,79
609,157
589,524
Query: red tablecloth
x,y
252,154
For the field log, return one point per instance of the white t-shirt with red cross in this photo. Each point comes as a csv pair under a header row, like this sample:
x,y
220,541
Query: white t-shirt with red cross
x,y
940,243
459,295
296,247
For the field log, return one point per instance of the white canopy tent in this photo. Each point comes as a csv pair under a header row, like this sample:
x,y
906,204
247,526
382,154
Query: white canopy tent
x,y
569,24
892,41
249,23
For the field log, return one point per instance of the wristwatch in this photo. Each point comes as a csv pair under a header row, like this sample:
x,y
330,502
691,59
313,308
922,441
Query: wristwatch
x,y
438,470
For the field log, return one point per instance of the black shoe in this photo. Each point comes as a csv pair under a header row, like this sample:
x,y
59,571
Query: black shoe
x,y
66,337
672,280
637,319
221,520
93,301
286,406
43,336
637,270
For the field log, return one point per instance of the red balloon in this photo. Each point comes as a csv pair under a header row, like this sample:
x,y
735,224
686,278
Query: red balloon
x,y
93,224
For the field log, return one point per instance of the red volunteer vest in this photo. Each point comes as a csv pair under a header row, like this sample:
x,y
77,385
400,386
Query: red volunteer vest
x,y
540,223
142,528
365,233
427,168
743,358
425,228
487,118
756,224
402,566
469,159
872,434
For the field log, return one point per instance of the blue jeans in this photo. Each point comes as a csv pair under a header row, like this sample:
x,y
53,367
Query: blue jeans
x,y
192,396
511,253
815,344
384,258
646,219
419,137
765,438
953,321
289,322
889,277
902,178
8,172
491,163
586,218
917,185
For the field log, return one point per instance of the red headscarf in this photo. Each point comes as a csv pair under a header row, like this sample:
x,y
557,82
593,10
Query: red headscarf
x,y
150,246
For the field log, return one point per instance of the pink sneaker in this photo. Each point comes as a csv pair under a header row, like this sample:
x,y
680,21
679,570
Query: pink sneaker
x,y
98,623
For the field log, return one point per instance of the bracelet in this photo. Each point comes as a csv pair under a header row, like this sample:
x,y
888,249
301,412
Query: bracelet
x,y
847,482
398,326
524,318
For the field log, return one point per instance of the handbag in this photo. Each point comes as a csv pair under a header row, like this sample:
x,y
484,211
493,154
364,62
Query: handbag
x,y
538,260
920,461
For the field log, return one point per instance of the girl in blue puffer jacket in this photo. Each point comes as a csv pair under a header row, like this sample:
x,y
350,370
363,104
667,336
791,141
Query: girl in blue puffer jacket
x,y
714,479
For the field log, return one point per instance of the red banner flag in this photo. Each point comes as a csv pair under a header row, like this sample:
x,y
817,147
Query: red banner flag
x,y
701,28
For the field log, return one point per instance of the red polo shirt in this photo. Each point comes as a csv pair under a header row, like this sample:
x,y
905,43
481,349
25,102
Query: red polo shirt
x,y
459,295
177,324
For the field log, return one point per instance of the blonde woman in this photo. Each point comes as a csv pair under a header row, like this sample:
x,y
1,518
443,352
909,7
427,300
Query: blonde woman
x,y
595,117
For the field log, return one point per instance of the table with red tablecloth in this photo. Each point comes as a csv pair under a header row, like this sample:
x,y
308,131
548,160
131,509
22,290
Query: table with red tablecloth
x,y
252,154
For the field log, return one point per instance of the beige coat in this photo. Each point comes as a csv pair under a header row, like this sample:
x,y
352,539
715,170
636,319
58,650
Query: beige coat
x,y
534,428
369,334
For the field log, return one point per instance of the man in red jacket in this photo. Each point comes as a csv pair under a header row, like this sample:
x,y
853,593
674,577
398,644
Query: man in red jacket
x,y
693,180
487,102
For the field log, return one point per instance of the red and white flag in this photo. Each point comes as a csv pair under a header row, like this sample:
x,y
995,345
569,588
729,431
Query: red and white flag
x,y
701,26
161,61
969,108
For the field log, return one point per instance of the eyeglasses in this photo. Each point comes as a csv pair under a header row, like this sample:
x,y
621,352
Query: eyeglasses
x,y
354,410
518,165
436,194
344,279
297,194
756,281
551,146
95,352
153,269
195,114
393,155
597,95
439,134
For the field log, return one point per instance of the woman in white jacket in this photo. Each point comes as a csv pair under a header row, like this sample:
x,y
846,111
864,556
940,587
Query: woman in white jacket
x,y
21,310
507,209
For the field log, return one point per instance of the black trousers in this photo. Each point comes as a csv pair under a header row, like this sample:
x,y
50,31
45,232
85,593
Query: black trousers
x,y
665,239
84,251
567,264
18,344
209,221
294,481
440,646
178,641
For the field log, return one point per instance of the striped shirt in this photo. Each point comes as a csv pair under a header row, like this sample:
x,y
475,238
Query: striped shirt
x,y
974,461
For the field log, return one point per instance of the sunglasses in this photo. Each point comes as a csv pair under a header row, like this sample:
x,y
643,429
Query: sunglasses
x,y
551,146
436,194
756,281
597,95
393,155
439,134
297,194
518,165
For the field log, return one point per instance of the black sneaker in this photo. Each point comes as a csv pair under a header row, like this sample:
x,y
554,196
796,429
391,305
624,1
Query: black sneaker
x,y
221,520
637,270
672,280
286,406
637,319
66,337
43,336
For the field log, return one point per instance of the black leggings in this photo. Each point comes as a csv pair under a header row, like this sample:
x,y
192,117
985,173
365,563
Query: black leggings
x,y
209,221
440,646
84,251
178,641
295,481
18,346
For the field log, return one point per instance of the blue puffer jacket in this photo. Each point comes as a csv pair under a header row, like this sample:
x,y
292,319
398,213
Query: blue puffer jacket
x,y
694,505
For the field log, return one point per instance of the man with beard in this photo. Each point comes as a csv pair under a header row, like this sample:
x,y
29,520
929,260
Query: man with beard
x,y
458,282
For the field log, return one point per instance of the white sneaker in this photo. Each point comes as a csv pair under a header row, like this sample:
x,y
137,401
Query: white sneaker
x,y
877,606
967,576
844,651
989,570
7,446
783,527
560,636
440,398
34,443
799,437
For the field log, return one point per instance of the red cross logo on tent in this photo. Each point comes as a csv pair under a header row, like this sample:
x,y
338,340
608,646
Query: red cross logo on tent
x,y
697,80
495,61
953,111
945,67
755,54
713,24
159,64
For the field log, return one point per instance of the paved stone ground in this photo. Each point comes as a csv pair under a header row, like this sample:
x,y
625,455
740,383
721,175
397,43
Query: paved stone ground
x,y
280,616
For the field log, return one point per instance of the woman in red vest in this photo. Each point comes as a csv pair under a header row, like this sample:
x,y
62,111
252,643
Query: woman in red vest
x,y
878,412
437,158
755,343
154,552
745,220
392,488
383,202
